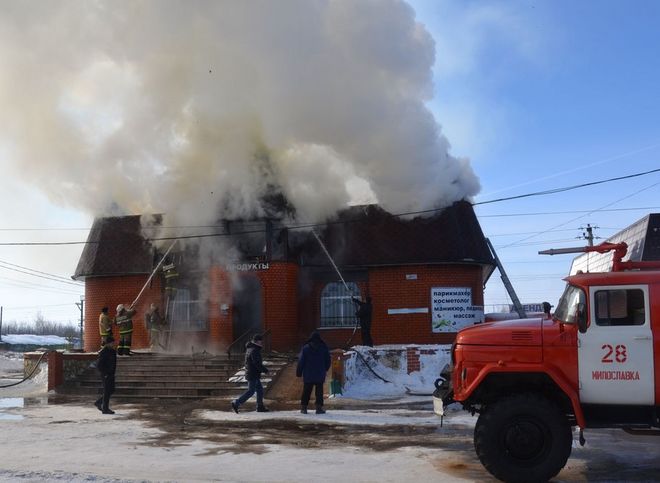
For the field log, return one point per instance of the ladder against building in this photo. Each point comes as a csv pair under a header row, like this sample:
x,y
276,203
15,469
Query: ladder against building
x,y
507,283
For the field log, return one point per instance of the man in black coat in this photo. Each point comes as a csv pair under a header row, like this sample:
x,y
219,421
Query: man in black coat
x,y
107,365
254,367
313,364
364,315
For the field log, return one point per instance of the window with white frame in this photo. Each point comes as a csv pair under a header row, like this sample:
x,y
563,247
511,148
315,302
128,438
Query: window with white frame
x,y
185,314
337,306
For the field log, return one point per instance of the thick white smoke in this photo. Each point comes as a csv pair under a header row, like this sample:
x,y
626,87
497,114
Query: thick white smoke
x,y
165,106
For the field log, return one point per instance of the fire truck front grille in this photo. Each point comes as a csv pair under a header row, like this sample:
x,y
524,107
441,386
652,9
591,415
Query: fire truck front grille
x,y
521,335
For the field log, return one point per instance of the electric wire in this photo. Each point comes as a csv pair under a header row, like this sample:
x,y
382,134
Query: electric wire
x,y
64,279
327,223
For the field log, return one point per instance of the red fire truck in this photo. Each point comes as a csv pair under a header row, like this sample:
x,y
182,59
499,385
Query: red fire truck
x,y
594,364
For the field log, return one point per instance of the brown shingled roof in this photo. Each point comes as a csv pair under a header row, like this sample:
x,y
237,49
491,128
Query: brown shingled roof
x,y
368,235
115,246
360,236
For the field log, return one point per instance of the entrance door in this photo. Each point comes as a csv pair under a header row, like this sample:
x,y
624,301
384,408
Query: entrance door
x,y
247,310
615,355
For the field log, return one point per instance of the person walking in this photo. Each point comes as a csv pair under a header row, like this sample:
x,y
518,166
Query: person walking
x,y
313,364
254,367
124,319
363,314
105,325
107,365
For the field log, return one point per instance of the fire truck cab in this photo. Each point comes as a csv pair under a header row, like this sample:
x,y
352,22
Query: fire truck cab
x,y
594,364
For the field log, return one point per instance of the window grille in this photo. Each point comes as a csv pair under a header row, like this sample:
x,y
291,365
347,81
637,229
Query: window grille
x,y
337,308
185,314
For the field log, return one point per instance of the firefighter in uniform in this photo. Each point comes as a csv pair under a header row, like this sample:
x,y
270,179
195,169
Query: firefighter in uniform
x,y
156,326
124,320
105,326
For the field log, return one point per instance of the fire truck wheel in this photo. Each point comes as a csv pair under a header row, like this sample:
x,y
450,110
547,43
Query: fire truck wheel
x,y
523,438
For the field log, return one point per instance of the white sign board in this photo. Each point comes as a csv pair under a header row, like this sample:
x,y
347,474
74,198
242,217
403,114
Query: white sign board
x,y
452,309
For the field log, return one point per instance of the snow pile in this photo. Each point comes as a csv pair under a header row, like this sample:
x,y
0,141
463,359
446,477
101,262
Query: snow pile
x,y
366,367
11,363
36,386
30,339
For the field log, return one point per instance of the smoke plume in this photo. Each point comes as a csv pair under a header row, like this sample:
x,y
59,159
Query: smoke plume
x,y
197,109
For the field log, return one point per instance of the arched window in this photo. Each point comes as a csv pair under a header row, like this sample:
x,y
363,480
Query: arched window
x,y
337,308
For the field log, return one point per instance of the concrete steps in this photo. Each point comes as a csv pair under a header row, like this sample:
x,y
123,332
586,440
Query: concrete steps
x,y
148,376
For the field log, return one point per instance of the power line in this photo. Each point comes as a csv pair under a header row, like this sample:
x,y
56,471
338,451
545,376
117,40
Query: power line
x,y
409,213
541,213
76,284
582,216
63,279
579,168
567,188
42,288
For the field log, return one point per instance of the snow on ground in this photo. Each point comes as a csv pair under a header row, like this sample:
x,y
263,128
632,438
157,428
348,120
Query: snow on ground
x,y
10,362
30,339
390,436
11,372
362,382
77,444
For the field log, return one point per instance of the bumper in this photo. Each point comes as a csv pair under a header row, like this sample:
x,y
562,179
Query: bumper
x,y
444,391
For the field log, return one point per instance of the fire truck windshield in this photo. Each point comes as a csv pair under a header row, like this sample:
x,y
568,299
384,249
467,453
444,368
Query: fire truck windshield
x,y
568,305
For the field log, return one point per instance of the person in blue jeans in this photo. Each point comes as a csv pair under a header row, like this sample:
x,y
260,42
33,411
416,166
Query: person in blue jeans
x,y
254,367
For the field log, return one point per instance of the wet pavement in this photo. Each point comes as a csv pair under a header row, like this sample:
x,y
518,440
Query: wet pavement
x,y
367,427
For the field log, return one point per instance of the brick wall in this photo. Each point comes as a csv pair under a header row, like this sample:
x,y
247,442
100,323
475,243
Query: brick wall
x,y
391,289
111,291
220,310
280,304
291,308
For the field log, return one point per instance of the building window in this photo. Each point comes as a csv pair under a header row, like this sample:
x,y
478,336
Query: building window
x,y
620,307
337,308
184,314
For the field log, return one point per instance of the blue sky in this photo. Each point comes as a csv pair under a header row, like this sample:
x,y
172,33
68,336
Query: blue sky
x,y
537,94
550,94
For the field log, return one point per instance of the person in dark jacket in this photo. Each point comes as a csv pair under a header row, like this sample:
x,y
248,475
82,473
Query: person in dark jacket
x,y
254,367
107,364
313,364
363,313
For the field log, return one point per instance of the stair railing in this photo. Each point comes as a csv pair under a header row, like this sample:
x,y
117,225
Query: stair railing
x,y
237,347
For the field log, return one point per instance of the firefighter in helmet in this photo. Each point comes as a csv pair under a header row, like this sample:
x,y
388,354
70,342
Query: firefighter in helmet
x,y
105,325
124,320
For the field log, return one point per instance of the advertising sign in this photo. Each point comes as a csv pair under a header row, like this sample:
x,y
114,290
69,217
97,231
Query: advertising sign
x,y
452,309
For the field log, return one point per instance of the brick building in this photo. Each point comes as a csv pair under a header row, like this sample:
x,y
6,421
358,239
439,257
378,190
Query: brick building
x,y
425,276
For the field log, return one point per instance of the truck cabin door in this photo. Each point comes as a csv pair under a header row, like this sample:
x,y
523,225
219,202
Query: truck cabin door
x,y
615,355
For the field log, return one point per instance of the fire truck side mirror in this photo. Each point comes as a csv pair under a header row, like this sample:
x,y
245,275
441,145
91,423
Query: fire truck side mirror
x,y
582,317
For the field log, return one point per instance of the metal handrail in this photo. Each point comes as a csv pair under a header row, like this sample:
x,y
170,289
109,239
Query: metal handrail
x,y
242,339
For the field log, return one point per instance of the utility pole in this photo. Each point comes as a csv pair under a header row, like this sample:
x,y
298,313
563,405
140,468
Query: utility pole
x,y
588,234
0,323
80,306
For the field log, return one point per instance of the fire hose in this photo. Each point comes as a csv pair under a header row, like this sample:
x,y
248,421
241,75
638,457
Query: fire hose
x,y
361,357
364,361
152,274
36,366
327,254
